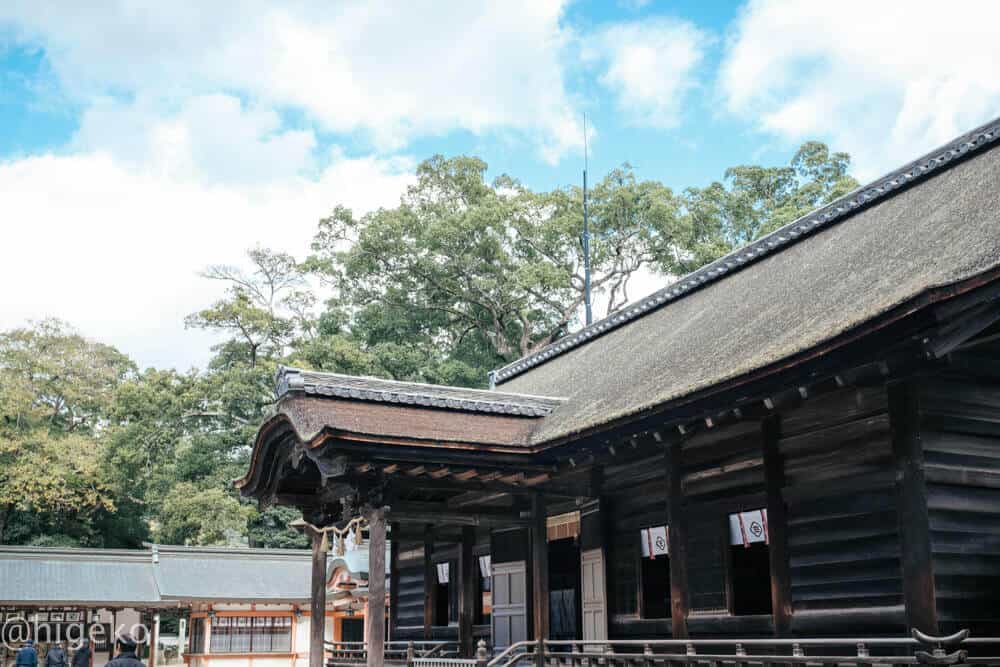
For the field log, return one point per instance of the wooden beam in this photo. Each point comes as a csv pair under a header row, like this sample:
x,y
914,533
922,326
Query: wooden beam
x,y
475,498
777,523
393,581
458,518
485,482
677,540
539,568
376,588
467,587
430,580
317,605
911,497
415,533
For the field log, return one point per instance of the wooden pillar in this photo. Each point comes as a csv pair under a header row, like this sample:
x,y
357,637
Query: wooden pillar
x,y
467,587
777,523
677,541
206,642
911,499
154,640
317,605
376,588
113,641
539,568
393,580
430,581
182,630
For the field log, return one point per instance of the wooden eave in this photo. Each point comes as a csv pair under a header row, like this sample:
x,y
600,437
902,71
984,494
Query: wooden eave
x,y
496,462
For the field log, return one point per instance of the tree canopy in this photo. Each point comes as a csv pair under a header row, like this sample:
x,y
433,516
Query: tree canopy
x,y
462,276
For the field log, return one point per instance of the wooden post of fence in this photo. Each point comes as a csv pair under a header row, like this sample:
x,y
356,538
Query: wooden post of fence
x,y
482,657
539,652
409,653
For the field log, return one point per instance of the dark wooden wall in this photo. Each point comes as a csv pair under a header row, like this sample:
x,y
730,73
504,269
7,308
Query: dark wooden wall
x,y
634,498
723,472
410,597
961,445
843,526
838,484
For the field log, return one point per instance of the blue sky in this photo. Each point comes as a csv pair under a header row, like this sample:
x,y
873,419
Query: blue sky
x,y
140,143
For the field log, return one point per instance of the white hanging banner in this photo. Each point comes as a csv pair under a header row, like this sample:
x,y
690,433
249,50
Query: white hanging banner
x,y
484,566
443,571
746,528
654,542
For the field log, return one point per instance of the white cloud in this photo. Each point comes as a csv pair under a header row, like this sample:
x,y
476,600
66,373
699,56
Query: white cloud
x,y
182,157
651,66
393,71
115,246
884,81
208,139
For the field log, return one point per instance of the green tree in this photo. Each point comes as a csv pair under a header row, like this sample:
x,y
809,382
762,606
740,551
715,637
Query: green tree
x,y
752,201
56,393
194,515
474,274
262,308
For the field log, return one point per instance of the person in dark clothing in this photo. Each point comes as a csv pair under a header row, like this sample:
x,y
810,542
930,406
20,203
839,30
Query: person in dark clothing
x,y
56,656
27,656
126,653
82,656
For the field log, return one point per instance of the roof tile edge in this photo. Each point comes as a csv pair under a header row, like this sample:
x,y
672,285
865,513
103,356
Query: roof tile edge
x,y
913,172
289,379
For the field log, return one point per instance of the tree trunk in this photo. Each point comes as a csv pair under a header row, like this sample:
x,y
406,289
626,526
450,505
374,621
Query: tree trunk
x,y
4,513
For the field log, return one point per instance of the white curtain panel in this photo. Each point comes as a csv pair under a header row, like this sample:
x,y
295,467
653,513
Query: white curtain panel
x,y
654,542
748,527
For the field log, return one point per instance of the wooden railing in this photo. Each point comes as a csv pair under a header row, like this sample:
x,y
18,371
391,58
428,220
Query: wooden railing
x,y
954,650
396,652
957,649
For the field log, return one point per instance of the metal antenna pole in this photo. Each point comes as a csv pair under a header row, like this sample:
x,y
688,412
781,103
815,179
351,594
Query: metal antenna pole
x,y
586,233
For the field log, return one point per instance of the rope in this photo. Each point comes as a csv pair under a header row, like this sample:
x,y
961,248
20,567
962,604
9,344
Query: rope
x,y
355,526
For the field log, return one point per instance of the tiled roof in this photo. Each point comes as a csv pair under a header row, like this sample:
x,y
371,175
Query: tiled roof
x,y
155,576
412,393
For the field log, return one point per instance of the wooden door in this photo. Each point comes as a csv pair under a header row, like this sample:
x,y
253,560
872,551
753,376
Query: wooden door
x,y
510,611
592,593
